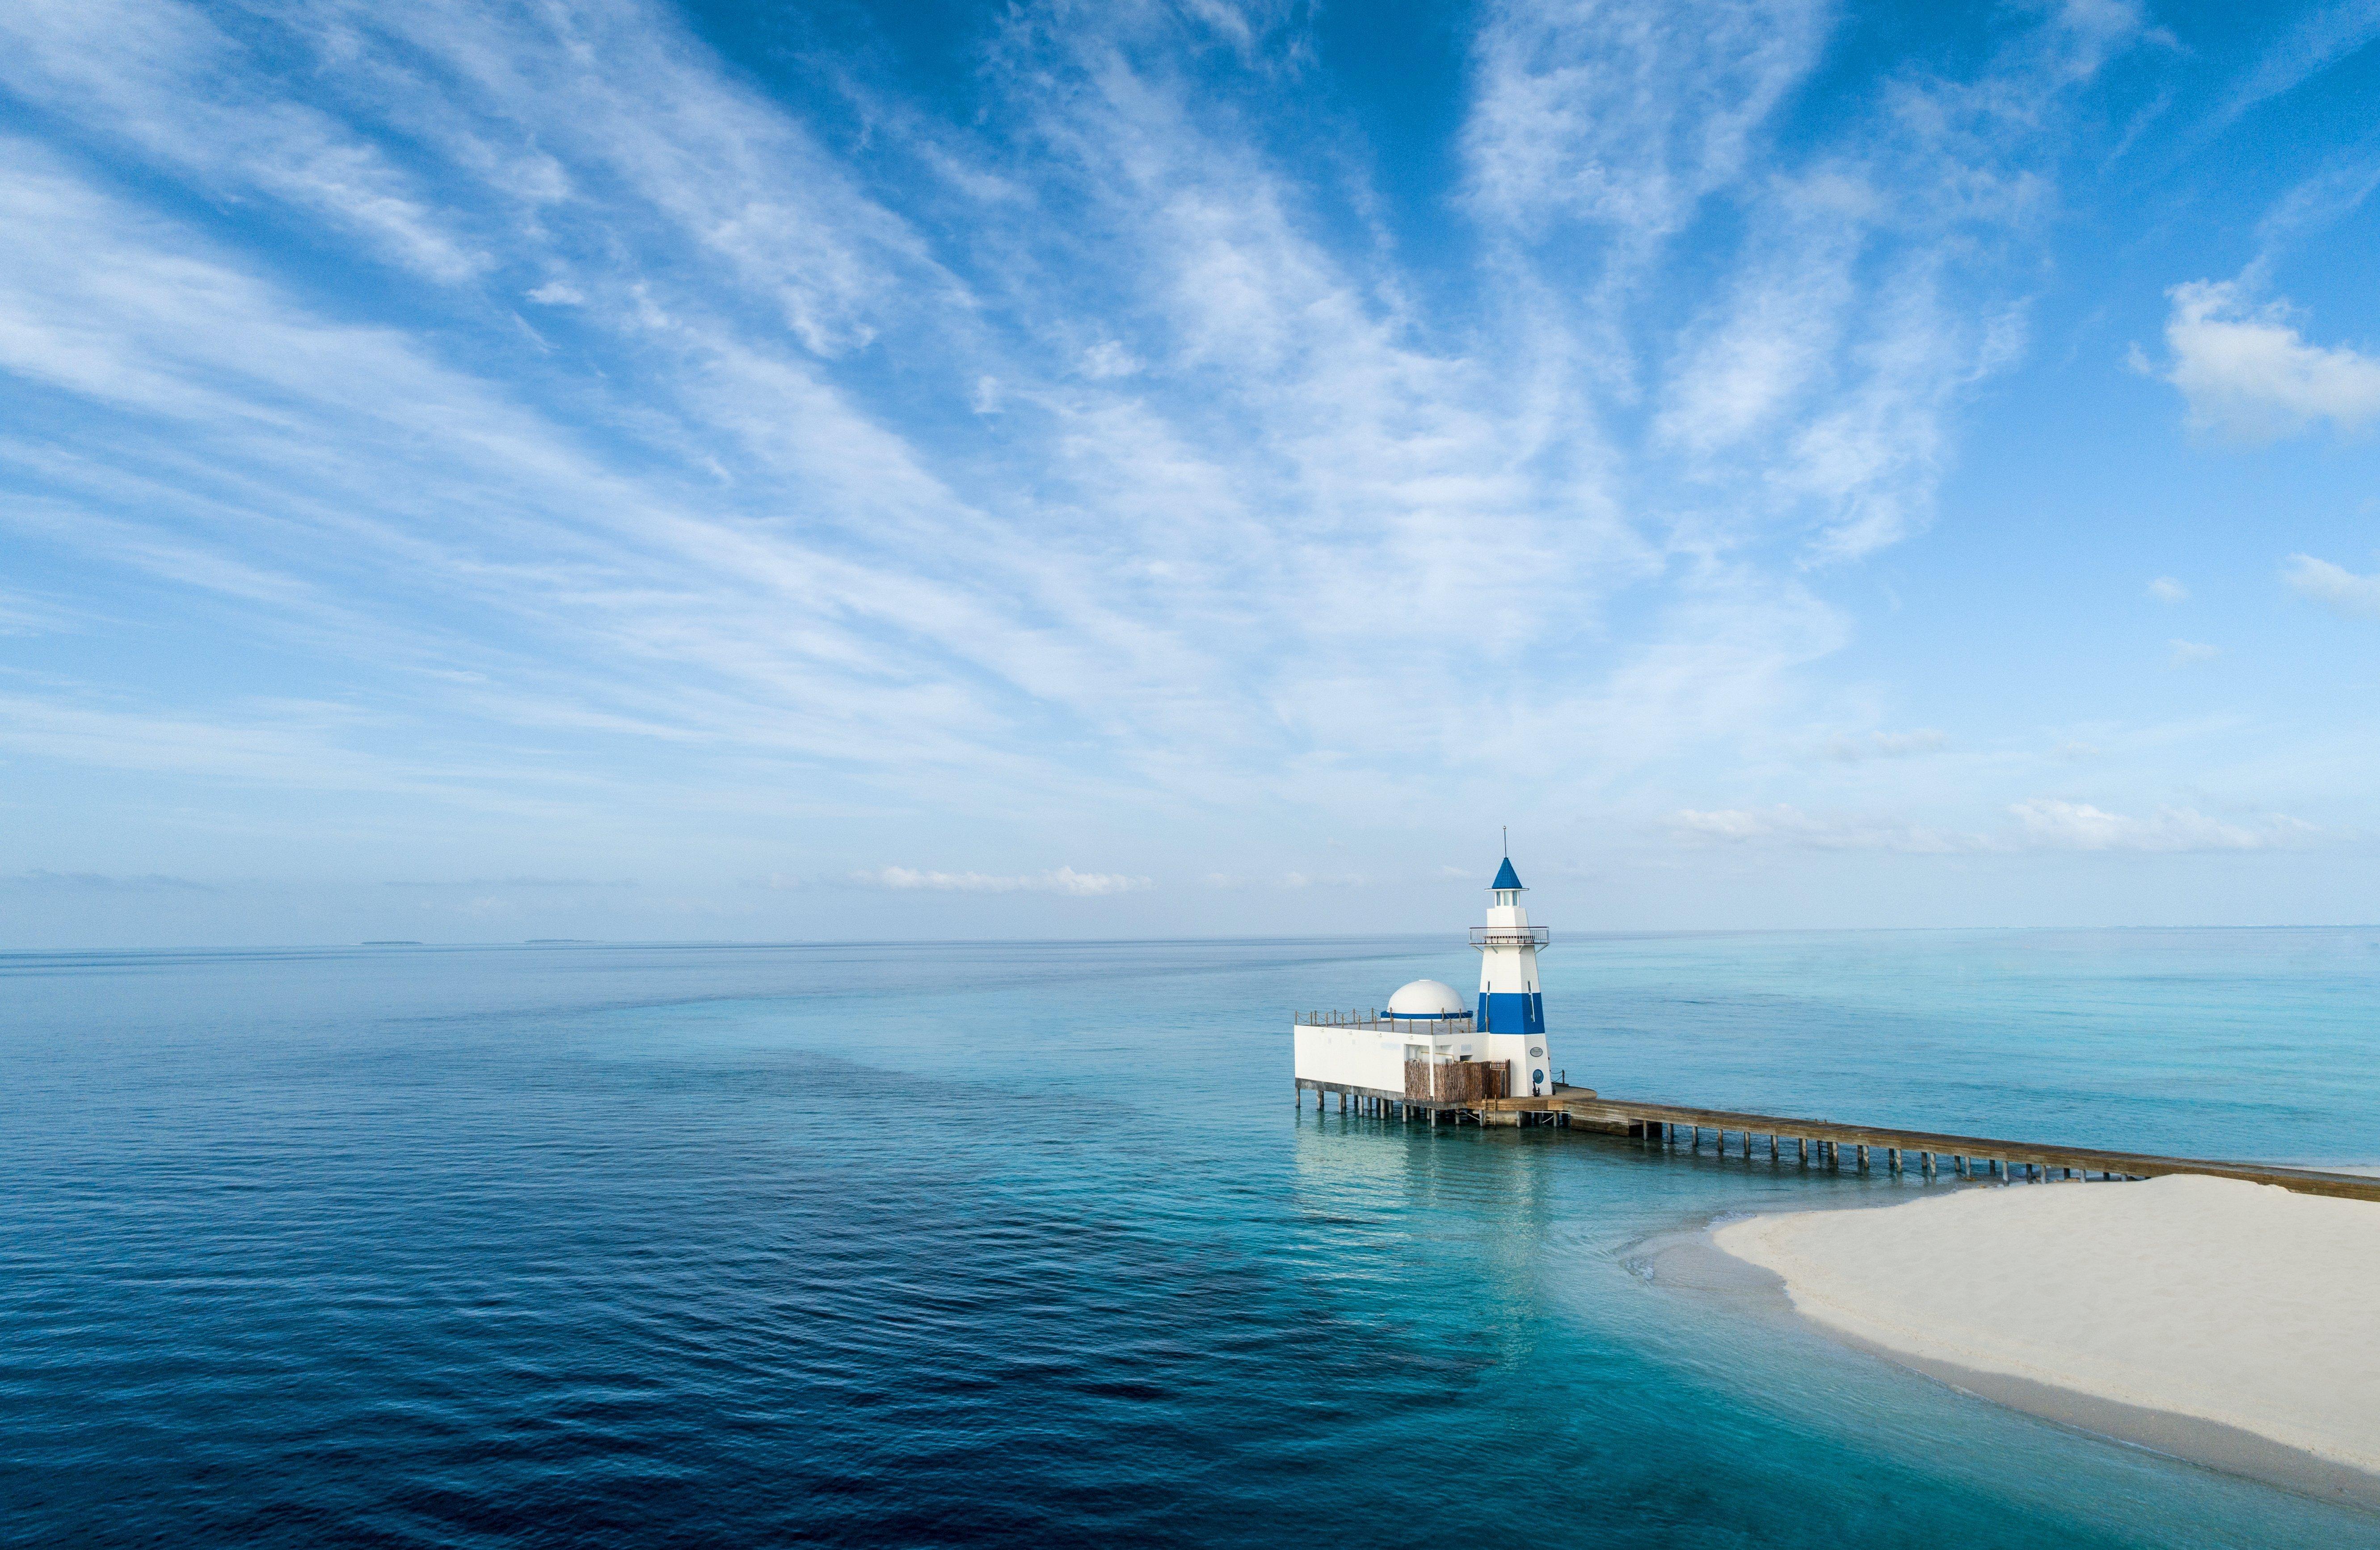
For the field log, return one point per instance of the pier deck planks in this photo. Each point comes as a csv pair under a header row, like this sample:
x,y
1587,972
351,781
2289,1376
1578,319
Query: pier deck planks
x,y
1597,1111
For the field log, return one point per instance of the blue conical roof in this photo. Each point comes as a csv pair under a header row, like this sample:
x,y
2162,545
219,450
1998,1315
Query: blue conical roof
x,y
1506,877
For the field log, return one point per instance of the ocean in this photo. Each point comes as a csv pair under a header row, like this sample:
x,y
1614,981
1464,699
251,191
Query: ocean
x,y
1027,1243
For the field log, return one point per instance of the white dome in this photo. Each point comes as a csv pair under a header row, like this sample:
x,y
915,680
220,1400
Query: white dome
x,y
1425,998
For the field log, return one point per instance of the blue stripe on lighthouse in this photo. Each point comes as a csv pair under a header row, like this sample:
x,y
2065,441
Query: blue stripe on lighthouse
x,y
1511,1011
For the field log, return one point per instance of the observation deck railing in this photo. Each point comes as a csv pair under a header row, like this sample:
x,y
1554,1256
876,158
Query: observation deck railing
x,y
1486,937
1453,1023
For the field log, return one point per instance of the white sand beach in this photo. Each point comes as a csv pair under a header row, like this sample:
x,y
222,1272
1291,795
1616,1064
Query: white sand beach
x,y
2240,1305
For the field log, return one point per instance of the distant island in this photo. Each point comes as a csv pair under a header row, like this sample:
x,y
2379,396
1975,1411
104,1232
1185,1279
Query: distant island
x,y
392,943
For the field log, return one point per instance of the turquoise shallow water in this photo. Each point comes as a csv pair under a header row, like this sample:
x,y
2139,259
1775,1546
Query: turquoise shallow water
x,y
616,1245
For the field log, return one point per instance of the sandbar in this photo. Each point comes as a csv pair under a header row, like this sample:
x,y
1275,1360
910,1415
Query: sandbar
x,y
2228,1308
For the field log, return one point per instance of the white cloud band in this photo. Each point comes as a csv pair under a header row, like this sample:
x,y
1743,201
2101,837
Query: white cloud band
x,y
2043,824
1063,879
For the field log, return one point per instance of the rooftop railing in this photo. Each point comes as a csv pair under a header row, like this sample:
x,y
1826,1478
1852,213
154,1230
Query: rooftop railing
x,y
1453,1023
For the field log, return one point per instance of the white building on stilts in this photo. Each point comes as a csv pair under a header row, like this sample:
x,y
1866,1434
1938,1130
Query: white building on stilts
x,y
1429,1052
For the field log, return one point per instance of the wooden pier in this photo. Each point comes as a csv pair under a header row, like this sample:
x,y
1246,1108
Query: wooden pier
x,y
1927,1153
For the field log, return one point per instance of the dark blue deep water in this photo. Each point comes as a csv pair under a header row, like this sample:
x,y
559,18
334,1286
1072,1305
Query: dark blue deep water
x,y
1026,1244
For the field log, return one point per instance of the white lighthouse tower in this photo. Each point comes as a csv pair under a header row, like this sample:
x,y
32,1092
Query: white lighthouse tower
x,y
1512,1016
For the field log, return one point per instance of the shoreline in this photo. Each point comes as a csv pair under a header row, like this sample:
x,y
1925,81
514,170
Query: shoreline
x,y
2123,1327
2208,1444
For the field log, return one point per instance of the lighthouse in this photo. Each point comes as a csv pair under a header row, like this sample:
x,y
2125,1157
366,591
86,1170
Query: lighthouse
x,y
1512,1016
1429,1052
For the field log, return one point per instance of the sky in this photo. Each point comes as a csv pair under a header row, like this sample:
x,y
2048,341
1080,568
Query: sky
x,y
746,471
